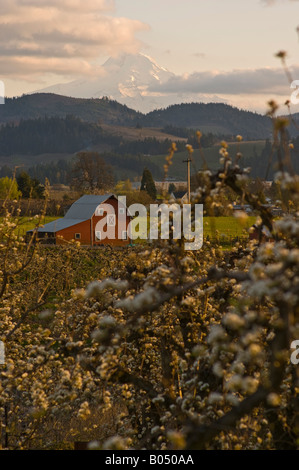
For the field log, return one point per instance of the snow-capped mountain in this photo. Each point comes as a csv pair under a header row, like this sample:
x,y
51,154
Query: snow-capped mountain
x,y
127,79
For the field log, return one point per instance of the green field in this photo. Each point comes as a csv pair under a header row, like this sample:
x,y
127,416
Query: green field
x,y
223,229
27,223
226,228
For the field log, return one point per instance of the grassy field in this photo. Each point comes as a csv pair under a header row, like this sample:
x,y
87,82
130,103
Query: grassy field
x,y
133,133
26,223
178,168
224,229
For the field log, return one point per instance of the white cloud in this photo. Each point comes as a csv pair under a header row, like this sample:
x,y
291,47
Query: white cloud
x,y
236,82
61,36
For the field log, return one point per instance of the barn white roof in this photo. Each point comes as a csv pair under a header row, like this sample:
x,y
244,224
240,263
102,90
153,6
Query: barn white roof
x,y
80,211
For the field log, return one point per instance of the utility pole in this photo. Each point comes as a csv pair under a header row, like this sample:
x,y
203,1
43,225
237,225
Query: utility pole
x,y
188,161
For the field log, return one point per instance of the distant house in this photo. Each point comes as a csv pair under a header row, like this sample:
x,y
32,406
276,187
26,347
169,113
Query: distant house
x,y
243,207
180,195
92,220
136,185
164,185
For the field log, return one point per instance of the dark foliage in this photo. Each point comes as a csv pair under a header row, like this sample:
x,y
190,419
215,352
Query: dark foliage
x,y
220,117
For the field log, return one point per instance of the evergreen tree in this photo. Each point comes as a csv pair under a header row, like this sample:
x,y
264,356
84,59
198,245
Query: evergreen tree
x,y
148,184
171,188
30,187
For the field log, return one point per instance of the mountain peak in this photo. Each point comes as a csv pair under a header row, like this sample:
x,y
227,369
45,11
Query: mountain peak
x,y
138,68
127,79
131,59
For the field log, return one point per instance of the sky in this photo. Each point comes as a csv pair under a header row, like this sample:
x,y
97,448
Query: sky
x,y
224,48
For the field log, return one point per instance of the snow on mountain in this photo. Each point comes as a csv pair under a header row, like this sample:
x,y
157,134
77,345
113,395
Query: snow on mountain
x,y
127,79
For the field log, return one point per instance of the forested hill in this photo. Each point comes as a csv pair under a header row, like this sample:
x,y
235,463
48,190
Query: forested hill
x,y
217,118
294,124
39,105
213,117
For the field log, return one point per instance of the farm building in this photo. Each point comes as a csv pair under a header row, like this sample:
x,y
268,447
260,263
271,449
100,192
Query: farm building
x,y
92,220
180,195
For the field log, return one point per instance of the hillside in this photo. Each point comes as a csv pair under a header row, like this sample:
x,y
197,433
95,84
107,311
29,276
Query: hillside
x,y
294,124
213,117
178,169
48,104
128,140
140,133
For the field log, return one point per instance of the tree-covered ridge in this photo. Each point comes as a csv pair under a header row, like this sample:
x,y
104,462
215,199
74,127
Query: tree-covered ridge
x,y
70,135
48,134
211,117
60,171
221,117
41,104
267,163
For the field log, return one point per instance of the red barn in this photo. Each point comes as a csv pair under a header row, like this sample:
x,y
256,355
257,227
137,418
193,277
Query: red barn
x,y
92,220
